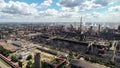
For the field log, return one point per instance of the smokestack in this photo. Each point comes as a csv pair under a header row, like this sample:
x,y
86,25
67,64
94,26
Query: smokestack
x,y
99,27
81,24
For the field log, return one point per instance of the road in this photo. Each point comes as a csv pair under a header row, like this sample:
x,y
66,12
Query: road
x,y
3,65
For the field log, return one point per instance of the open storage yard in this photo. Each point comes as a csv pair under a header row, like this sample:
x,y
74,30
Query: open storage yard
x,y
8,46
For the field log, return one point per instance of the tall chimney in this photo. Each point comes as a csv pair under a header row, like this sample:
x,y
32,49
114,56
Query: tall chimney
x,y
81,24
99,27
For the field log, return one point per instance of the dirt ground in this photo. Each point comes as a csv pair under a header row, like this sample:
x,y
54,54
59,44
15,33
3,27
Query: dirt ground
x,y
8,46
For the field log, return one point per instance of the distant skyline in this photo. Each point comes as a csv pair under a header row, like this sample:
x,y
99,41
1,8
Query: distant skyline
x,y
59,10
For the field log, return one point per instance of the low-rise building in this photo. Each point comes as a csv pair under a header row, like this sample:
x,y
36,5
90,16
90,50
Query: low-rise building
x,y
22,55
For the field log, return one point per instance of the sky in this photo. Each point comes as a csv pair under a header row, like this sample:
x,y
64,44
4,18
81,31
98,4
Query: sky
x,y
59,10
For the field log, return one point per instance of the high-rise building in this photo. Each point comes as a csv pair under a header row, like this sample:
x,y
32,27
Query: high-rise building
x,y
37,60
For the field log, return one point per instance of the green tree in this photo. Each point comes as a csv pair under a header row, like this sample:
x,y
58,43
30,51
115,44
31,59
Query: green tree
x,y
14,58
32,65
29,64
87,58
46,65
4,52
29,57
70,56
20,64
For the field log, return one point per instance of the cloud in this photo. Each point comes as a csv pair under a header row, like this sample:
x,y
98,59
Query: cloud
x,y
107,16
114,13
49,12
53,13
70,3
20,8
1,1
45,4
66,9
94,16
70,10
83,5
114,9
88,5
103,2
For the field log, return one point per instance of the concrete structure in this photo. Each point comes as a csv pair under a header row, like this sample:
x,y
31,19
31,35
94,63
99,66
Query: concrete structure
x,y
51,51
76,63
37,60
22,55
